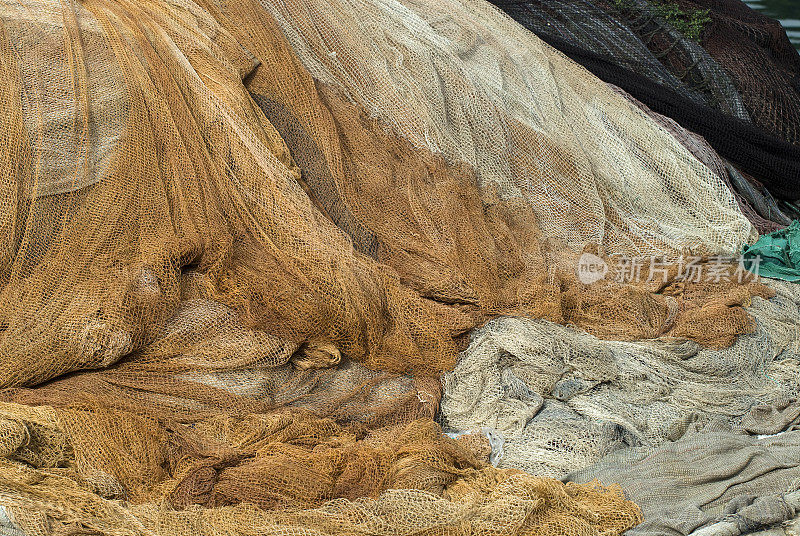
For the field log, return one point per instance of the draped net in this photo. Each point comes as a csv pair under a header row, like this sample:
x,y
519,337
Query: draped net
x,y
224,298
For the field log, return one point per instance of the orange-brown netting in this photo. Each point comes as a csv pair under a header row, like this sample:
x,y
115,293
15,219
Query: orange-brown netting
x,y
196,180
113,472
217,306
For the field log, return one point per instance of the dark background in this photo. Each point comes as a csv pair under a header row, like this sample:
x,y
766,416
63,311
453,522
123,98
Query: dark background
x,y
786,11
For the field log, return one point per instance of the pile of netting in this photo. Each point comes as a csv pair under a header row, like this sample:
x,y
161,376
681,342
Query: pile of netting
x,y
715,66
532,381
242,240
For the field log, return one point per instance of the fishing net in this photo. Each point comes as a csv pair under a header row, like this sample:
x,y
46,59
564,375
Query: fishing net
x,y
767,81
597,26
466,84
224,299
561,399
704,99
592,28
72,469
202,184
725,483
752,204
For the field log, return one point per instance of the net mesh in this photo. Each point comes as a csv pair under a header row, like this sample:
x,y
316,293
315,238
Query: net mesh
x,y
203,184
597,25
562,399
767,82
462,83
274,473
753,206
611,39
724,483
223,300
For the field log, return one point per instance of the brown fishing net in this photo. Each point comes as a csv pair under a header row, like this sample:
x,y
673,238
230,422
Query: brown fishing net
x,y
215,305
752,49
201,183
769,80
69,469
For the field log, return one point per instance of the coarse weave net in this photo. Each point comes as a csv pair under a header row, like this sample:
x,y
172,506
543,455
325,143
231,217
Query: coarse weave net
x,y
561,399
767,82
465,82
200,199
225,300
611,39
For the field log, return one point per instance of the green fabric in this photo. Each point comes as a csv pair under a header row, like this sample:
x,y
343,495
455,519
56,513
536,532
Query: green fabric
x,y
779,252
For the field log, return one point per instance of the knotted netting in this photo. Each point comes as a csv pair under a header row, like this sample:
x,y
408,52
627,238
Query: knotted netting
x,y
241,241
651,50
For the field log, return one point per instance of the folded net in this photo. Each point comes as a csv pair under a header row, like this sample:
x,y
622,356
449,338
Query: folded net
x,y
222,298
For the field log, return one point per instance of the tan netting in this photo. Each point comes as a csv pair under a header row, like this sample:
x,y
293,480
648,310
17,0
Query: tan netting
x,y
701,150
200,182
459,78
69,468
215,293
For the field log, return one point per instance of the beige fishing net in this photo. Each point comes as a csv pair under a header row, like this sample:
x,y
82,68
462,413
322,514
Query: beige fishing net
x,y
462,80
224,301
560,399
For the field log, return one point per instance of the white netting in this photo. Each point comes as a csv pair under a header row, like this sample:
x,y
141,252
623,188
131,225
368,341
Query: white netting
x,y
562,398
460,78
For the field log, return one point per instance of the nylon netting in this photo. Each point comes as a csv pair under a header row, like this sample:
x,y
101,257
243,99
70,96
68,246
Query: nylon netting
x,y
753,206
562,399
93,274
611,39
218,305
597,26
725,483
767,82
469,85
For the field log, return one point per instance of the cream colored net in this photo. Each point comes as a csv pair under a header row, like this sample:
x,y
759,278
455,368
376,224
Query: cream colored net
x,y
561,399
225,300
462,80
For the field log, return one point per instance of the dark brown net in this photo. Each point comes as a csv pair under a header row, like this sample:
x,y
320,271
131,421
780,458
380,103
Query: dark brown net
x,y
753,50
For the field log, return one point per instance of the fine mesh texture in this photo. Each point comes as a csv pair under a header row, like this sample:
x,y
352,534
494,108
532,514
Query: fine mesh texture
x,y
767,82
595,26
754,206
466,83
721,117
562,399
684,57
582,23
201,181
728,484
243,304
73,143
430,257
